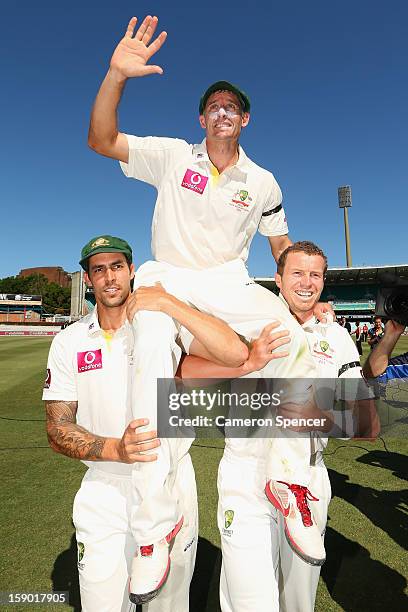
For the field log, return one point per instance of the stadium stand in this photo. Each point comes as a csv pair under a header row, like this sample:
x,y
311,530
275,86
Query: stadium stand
x,y
16,308
352,291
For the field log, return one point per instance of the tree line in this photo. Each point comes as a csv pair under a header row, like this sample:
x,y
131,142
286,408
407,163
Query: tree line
x,y
55,299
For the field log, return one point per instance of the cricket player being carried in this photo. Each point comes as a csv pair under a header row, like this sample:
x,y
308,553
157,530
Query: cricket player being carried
x,y
253,536
211,200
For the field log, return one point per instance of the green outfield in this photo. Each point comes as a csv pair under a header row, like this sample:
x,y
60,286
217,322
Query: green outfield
x,y
365,541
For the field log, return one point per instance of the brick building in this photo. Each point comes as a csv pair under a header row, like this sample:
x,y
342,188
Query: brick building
x,y
54,274
29,316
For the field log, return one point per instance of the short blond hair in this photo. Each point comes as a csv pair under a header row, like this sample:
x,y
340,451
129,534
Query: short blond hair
x,y
303,246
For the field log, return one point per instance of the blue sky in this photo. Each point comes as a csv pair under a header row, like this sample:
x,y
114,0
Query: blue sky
x,y
329,91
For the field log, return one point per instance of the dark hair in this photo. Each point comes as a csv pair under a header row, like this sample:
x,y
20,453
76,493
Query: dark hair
x,y
86,263
303,246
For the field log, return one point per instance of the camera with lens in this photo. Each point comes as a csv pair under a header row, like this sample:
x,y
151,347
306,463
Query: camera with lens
x,y
392,302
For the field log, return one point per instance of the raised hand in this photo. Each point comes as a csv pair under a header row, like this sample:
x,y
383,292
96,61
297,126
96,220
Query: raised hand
x,y
324,312
146,298
263,349
133,52
392,328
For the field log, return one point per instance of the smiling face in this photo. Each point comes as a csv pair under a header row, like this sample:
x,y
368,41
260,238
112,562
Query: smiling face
x,y
223,118
109,274
301,282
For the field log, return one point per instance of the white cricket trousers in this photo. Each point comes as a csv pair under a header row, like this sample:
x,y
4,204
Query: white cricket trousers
x,y
101,515
226,292
260,572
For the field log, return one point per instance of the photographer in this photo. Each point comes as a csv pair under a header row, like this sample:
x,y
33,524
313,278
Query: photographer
x,y
376,333
379,361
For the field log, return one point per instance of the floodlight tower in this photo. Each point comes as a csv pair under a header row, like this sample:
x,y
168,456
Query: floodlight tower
x,y
345,203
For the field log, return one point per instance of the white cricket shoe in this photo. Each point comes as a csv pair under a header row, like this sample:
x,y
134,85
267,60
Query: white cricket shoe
x,y
150,568
301,530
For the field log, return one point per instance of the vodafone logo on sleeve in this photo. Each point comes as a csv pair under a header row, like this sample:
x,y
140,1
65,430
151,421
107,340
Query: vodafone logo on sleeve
x,y
89,360
194,181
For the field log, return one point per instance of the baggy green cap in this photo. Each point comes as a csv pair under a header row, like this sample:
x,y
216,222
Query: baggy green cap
x,y
225,86
105,244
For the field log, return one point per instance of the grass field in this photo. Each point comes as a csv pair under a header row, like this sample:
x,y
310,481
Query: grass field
x,y
365,539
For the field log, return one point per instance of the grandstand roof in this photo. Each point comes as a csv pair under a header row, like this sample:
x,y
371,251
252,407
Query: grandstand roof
x,y
352,276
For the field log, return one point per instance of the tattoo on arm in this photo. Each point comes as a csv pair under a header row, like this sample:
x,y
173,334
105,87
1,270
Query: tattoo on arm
x,y
68,438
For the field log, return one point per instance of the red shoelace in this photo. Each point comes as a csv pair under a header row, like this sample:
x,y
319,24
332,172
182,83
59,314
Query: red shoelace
x,y
303,495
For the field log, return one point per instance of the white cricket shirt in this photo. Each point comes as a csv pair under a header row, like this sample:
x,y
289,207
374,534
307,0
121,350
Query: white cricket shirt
x,y
337,360
203,219
89,367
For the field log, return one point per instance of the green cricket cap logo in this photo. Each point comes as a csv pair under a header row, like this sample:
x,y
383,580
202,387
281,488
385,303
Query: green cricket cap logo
x,y
100,242
243,195
81,551
324,345
229,517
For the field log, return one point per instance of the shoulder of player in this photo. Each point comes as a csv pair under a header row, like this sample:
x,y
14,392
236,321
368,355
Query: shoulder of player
x,y
335,333
157,143
73,331
162,141
340,333
177,143
267,187
344,345
263,173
